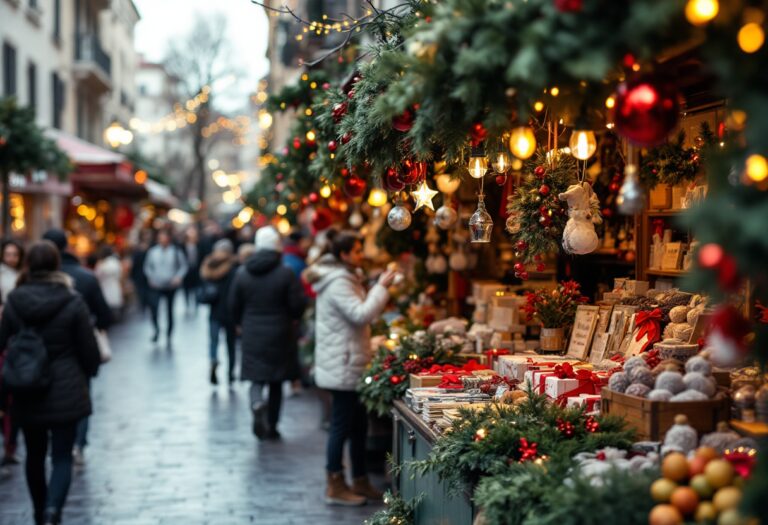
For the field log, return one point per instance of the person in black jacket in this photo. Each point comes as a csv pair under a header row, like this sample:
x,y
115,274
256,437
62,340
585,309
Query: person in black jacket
x,y
45,301
218,269
265,300
87,285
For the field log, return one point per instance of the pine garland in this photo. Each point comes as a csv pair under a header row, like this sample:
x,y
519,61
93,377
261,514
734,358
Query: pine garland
x,y
397,512
672,163
536,217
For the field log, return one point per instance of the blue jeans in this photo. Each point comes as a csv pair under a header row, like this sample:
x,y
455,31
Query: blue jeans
x,y
81,434
49,496
215,327
349,421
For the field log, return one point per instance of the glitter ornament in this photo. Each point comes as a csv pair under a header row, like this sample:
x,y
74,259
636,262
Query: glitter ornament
x,y
399,218
445,217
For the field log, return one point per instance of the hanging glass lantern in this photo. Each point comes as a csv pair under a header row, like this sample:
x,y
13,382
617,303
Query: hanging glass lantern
x,y
478,164
501,161
480,224
583,144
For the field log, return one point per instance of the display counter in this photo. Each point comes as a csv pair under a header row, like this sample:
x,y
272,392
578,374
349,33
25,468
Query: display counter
x,y
413,440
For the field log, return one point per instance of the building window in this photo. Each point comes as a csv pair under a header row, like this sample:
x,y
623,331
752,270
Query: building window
x,y
9,69
32,86
56,20
57,98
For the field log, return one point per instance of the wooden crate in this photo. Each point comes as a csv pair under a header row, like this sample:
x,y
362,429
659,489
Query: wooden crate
x,y
652,419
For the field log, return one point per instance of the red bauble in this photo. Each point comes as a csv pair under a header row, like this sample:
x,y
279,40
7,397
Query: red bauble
x,y
607,213
344,172
646,110
543,210
321,219
403,122
478,134
613,187
376,377
711,255
313,197
521,246
544,190
545,221
541,267
326,86
519,267
346,137
524,275
332,146
296,143
338,111
568,6
351,94
540,172
395,380
393,181
354,186
413,171
501,180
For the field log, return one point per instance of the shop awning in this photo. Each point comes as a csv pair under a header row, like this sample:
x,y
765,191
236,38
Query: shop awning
x,y
98,171
160,194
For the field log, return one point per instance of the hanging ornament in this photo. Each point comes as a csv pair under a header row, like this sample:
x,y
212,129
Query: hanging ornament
x,y
501,161
544,190
592,424
583,144
480,224
540,172
445,217
646,110
478,134
321,219
566,428
393,181
338,111
403,122
501,180
296,143
478,164
395,380
579,235
354,186
711,256
399,217
727,340
356,219
522,142
513,223
447,184
346,137
413,171
332,146
423,196
568,6
631,198
528,451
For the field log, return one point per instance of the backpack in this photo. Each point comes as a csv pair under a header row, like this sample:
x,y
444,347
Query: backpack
x,y
26,368
208,293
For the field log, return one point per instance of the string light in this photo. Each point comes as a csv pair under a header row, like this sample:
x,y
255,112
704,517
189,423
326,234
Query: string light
x,y
751,37
555,91
281,209
757,168
699,12
325,191
522,142
610,102
378,197
538,106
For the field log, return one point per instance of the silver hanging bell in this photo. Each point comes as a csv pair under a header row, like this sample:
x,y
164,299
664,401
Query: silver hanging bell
x,y
480,224
631,199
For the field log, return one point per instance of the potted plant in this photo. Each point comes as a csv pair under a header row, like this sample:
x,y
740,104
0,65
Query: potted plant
x,y
555,311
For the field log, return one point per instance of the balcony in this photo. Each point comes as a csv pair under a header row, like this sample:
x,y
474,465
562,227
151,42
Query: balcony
x,y
92,66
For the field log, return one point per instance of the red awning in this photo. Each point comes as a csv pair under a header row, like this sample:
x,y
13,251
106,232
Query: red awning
x,y
98,171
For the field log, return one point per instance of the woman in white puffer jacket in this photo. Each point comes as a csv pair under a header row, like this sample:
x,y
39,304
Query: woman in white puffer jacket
x,y
343,313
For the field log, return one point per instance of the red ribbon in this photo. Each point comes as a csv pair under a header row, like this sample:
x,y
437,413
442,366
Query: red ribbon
x,y
589,383
565,371
648,323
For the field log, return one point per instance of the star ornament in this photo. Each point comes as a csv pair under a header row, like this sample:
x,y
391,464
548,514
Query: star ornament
x,y
423,196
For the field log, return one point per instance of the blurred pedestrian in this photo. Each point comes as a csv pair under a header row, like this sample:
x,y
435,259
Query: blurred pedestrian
x,y
265,300
45,304
85,283
165,267
244,251
10,266
217,273
193,253
138,278
343,313
293,258
109,272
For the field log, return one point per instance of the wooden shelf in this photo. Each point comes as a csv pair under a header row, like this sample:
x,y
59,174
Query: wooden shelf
x,y
666,273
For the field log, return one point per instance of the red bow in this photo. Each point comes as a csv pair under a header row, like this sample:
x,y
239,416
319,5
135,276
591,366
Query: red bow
x,y
565,371
648,323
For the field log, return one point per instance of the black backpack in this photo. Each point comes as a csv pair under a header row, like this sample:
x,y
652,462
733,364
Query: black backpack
x,y
208,293
26,368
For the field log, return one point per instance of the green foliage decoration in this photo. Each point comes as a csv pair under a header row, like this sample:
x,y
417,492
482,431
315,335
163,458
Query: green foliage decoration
x,y
672,163
397,512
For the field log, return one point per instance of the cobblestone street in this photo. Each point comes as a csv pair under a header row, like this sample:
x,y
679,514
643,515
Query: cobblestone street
x,y
168,448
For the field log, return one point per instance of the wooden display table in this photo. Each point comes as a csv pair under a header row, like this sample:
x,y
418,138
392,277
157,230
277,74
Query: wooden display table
x,y
413,440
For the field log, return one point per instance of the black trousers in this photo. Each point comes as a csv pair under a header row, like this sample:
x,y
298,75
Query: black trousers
x,y
154,306
49,496
274,401
349,422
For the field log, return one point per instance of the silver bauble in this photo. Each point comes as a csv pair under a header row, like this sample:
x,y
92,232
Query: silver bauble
x,y
513,223
480,224
399,218
631,199
445,217
356,220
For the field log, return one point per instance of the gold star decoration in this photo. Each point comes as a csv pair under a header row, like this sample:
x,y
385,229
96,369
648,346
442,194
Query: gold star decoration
x,y
423,196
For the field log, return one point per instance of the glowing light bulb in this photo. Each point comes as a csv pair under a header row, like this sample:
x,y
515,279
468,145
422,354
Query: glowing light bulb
x,y
377,198
757,168
751,37
538,106
501,162
610,102
699,12
478,166
325,191
447,184
583,144
281,209
522,142
555,91
311,135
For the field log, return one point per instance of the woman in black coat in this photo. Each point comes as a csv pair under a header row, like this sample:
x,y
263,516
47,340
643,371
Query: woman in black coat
x,y
46,302
265,300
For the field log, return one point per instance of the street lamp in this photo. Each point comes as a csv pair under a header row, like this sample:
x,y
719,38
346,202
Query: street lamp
x,y
116,135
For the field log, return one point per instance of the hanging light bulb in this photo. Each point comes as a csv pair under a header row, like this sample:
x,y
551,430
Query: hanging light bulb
x,y
699,12
478,164
583,144
522,142
377,198
447,184
325,191
501,161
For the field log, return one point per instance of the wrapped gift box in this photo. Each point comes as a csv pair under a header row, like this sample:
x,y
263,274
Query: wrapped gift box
x,y
536,378
424,381
555,387
590,401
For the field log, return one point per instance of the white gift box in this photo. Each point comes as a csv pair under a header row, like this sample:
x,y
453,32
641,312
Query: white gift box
x,y
554,387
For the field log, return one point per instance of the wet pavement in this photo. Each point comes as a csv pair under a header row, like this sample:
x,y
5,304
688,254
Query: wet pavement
x,y
166,447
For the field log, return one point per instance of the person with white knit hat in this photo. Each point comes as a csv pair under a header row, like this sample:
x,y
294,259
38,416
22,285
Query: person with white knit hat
x,y
265,300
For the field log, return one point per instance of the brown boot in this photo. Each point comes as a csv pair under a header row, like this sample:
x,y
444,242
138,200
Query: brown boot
x,y
362,487
338,493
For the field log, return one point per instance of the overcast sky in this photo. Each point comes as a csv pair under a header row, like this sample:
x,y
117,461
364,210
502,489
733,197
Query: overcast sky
x,y
164,20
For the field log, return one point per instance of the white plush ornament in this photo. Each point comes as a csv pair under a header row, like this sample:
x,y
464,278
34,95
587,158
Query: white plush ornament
x,y
579,235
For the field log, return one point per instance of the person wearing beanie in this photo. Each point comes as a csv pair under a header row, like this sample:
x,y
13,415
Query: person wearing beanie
x,y
217,272
265,301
